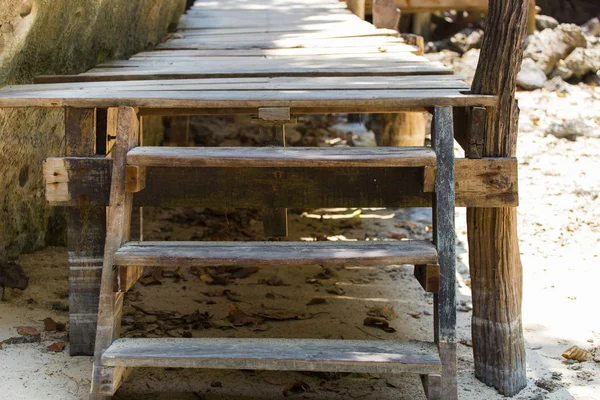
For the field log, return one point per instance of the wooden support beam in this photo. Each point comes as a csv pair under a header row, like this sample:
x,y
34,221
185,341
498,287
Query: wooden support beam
x,y
126,277
117,233
429,277
135,179
86,229
112,379
444,310
358,7
275,220
385,14
494,255
488,182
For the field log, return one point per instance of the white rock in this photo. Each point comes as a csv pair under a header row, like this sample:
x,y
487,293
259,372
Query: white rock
x,y
545,22
531,76
551,45
582,61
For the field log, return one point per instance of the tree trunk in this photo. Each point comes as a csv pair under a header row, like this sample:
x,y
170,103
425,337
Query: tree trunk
x,y
494,257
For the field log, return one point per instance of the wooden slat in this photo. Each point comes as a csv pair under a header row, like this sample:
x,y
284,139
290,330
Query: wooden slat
x,y
281,157
126,277
276,354
489,182
86,229
411,6
189,254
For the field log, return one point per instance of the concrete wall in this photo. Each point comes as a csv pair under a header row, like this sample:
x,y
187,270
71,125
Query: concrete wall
x,y
57,37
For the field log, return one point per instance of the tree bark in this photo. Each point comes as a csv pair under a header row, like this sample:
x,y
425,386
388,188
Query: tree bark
x,y
494,257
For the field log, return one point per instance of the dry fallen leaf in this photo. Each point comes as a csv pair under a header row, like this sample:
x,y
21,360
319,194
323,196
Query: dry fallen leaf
x,y
386,312
273,281
294,388
466,342
57,347
27,331
51,325
398,236
577,353
380,323
222,324
316,300
284,315
207,279
416,315
240,318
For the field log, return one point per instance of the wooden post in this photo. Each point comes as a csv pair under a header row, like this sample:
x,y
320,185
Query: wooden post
x,y
442,138
86,230
494,257
357,7
399,129
533,11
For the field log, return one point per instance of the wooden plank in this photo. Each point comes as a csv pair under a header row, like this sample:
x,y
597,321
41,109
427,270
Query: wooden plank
x,y
277,354
280,254
319,101
135,179
444,239
252,84
281,157
86,229
411,6
488,182
432,384
117,233
429,277
357,7
476,119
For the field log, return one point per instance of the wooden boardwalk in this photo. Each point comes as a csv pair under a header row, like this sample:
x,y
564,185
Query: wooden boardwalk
x,y
309,55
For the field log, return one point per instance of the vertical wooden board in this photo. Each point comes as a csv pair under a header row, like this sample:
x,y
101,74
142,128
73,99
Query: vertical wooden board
x,y
86,230
358,7
275,221
385,14
444,238
117,232
429,277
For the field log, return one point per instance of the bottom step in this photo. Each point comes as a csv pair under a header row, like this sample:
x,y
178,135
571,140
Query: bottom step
x,y
277,354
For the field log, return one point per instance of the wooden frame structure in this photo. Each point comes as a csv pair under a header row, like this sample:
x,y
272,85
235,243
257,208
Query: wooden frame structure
x,y
98,110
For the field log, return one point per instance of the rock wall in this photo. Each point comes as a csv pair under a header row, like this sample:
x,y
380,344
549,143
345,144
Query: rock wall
x,y
57,37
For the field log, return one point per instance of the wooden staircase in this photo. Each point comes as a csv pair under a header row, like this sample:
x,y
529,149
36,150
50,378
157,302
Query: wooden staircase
x,y
115,357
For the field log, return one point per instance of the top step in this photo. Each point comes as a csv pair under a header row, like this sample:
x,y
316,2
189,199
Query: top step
x,y
282,157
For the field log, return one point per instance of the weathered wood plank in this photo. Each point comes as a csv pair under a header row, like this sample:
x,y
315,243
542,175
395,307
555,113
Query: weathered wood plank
x,y
117,233
442,137
112,378
198,254
277,354
386,14
488,182
126,277
411,6
86,229
230,157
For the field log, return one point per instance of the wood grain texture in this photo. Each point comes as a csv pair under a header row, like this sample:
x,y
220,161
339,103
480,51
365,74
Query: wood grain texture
x,y
277,354
489,182
117,233
364,157
86,229
412,6
494,255
198,254
442,138
386,14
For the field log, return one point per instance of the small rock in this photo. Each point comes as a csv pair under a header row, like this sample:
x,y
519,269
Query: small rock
x,y
582,62
574,367
545,22
531,76
561,71
12,275
467,65
557,376
585,376
548,385
23,339
570,130
26,7
557,85
592,27
549,46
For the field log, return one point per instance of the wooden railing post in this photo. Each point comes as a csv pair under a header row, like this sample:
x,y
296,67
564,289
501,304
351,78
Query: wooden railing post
x,y
494,257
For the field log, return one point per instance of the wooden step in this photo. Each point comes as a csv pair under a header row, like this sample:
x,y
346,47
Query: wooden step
x,y
199,254
282,157
357,356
